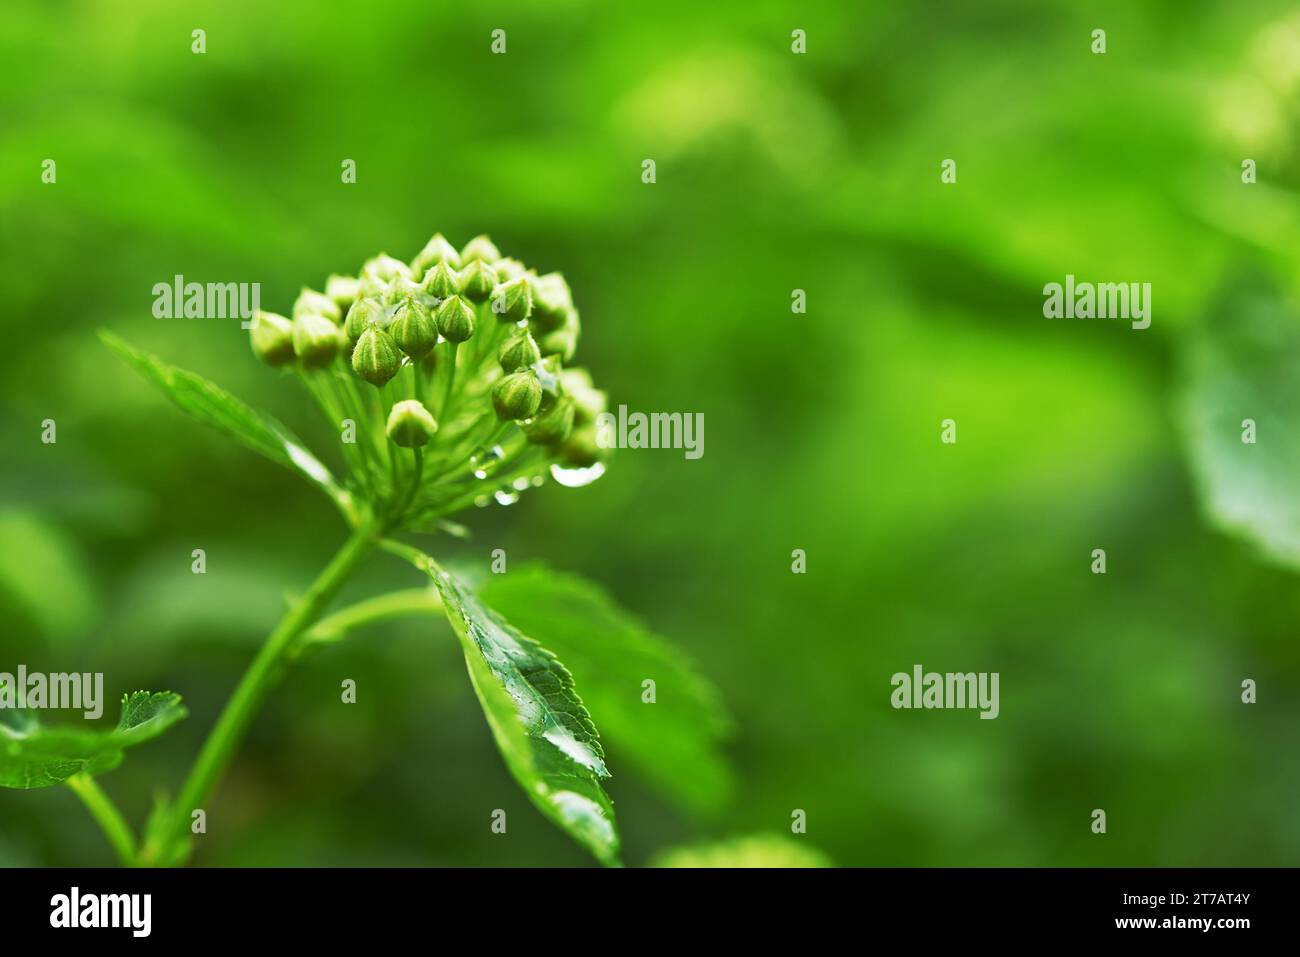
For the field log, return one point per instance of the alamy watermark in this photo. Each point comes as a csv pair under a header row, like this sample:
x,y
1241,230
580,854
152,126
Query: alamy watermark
x,y
932,689
213,300
133,912
1106,300
83,691
654,430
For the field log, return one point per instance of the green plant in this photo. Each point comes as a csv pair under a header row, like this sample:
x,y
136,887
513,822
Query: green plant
x,y
447,381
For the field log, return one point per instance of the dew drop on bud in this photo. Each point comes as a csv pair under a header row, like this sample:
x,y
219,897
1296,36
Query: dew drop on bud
x,y
577,478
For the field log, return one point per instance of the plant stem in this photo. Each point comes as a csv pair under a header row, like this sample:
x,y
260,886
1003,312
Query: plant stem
x,y
258,679
468,446
325,389
106,815
396,604
450,382
526,465
395,517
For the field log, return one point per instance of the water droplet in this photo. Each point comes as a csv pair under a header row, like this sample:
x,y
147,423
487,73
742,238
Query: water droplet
x,y
482,461
520,484
576,478
482,501
505,498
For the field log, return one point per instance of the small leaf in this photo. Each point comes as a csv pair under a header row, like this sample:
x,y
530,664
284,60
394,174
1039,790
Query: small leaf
x,y
1245,364
159,848
145,715
35,756
757,850
540,725
213,406
673,743
394,604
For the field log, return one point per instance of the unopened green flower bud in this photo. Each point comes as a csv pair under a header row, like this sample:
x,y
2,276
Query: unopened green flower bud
x,y
309,300
552,426
456,319
401,288
552,301
363,314
410,424
375,357
343,290
413,329
477,280
513,300
581,450
385,268
518,353
510,268
589,400
517,395
436,250
370,286
440,281
562,341
480,247
316,340
272,338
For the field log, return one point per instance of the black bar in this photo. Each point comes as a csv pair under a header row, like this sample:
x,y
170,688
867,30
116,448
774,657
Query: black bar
x,y
333,907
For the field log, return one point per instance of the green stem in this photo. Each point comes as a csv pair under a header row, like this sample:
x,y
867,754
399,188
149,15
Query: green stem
x,y
334,402
400,511
492,331
365,399
396,604
258,680
450,383
106,815
453,458
388,395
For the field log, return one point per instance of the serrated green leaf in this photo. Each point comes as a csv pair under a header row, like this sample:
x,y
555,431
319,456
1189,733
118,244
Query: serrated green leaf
x,y
674,742
539,723
35,756
212,405
1245,364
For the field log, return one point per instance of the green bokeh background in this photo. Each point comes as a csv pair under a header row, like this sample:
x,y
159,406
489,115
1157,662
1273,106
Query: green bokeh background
x,y
775,172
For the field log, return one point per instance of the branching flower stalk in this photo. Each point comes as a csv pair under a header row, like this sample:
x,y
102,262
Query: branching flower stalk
x,y
447,380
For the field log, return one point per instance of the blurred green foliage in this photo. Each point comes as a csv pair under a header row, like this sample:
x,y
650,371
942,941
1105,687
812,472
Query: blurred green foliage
x,y
775,172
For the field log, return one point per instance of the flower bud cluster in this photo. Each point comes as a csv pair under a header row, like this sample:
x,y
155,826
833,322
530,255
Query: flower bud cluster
x,y
454,366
